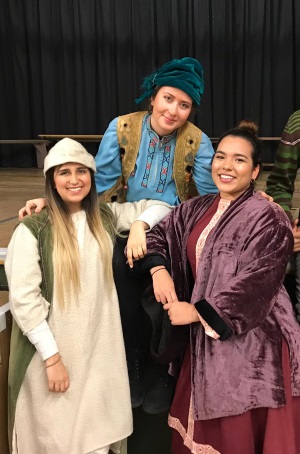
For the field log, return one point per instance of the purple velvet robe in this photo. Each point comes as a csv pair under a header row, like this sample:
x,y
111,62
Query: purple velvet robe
x,y
240,274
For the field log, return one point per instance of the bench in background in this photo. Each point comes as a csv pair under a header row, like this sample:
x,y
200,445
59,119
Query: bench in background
x,y
39,144
78,137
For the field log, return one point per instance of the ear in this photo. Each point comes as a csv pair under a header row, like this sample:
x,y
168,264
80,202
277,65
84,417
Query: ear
x,y
255,172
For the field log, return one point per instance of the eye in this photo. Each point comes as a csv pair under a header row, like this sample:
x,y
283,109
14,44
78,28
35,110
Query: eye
x,y
185,106
168,98
82,171
219,156
63,172
240,160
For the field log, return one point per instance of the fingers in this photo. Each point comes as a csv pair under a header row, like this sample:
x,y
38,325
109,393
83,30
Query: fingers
x,y
295,224
165,298
129,257
58,377
26,210
22,213
135,253
59,386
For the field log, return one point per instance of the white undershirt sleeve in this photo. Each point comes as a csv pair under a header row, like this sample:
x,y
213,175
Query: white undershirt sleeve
x,y
42,338
154,214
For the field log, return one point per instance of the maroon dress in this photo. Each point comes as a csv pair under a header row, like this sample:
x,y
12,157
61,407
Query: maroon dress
x,y
257,431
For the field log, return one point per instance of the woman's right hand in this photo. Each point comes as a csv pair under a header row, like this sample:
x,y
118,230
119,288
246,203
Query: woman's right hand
x,y
163,285
58,377
36,204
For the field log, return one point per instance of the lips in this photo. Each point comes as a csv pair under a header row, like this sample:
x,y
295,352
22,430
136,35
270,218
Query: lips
x,y
169,120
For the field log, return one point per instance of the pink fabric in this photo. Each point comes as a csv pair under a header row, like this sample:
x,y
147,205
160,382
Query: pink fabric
x,y
222,207
195,250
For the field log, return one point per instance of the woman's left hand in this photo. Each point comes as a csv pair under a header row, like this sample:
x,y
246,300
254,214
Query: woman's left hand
x,y
181,313
136,244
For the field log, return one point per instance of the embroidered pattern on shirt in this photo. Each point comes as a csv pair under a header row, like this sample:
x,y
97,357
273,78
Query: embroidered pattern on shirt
x,y
164,169
166,157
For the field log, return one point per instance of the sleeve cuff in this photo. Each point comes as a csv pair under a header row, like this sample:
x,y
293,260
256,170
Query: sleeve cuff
x,y
143,266
213,319
42,338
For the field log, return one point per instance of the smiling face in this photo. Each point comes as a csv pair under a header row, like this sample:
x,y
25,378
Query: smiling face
x,y
73,183
232,167
171,109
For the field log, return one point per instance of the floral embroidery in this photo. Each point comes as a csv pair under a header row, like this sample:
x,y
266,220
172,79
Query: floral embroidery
x,y
188,435
164,169
150,154
165,161
222,207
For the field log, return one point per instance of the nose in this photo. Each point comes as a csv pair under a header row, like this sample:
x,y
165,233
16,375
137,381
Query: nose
x,y
172,108
74,178
227,164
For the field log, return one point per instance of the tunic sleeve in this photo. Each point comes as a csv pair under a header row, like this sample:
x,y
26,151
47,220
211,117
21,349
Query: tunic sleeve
x,y
108,162
246,299
152,212
28,306
281,181
202,167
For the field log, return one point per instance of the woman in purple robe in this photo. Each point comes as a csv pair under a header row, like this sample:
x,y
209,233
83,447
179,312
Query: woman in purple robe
x,y
239,385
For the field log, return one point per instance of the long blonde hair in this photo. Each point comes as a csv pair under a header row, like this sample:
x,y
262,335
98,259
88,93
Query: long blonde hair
x,y
66,264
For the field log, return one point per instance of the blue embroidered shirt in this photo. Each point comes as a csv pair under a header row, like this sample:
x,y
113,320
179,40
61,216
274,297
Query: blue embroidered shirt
x,y
152,177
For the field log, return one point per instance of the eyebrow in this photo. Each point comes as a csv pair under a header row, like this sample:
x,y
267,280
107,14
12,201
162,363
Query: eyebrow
x,y
68,168
170,94
235,155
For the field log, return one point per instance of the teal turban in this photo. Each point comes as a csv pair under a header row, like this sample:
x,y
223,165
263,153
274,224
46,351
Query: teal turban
x,y
185,74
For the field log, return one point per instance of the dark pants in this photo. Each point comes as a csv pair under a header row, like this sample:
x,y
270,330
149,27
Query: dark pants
x,y
135,324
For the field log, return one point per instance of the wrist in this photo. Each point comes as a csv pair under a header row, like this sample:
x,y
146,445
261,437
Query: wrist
x,y
142,224
195,314
52,360
155,269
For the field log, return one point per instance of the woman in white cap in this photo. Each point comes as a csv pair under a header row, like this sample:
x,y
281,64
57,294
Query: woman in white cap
x,y
68,381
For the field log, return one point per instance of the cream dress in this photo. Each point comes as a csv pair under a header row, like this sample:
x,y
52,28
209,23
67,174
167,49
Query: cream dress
x,y
95,411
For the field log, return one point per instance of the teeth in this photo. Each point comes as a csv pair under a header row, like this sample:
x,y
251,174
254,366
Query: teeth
x,y
74,189
226,177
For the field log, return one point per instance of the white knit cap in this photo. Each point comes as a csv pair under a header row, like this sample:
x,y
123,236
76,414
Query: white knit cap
x,y
68,150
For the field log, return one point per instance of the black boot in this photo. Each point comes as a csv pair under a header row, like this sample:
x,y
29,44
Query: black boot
x,y
159,397
135,364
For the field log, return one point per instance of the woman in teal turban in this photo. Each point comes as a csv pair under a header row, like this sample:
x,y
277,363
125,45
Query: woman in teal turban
x,y
155,154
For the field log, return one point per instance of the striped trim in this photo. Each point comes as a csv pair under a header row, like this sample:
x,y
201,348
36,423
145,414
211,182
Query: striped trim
x,y
285,142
